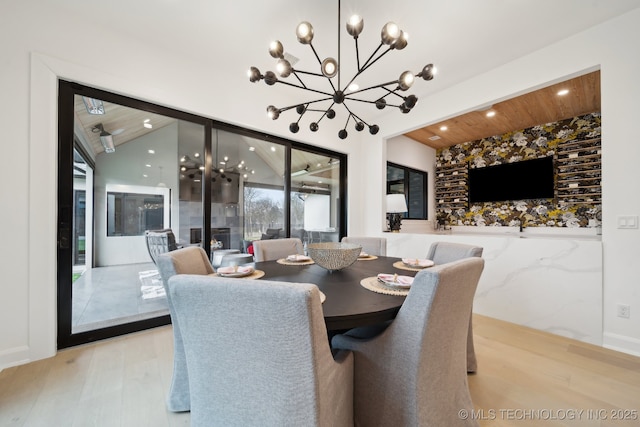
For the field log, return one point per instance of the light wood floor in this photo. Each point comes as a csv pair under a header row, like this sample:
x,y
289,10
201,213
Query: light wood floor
x,y
525,378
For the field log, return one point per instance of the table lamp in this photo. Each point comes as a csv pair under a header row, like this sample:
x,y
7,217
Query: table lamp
x,y
396,206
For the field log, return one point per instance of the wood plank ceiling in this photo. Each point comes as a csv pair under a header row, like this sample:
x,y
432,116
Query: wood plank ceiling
x,y
531,109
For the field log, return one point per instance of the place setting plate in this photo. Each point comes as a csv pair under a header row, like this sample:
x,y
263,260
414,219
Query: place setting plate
x,y
246,272
413,264
366,257
295,259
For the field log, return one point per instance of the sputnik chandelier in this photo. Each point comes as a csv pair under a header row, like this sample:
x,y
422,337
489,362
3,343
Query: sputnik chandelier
x,y
391,37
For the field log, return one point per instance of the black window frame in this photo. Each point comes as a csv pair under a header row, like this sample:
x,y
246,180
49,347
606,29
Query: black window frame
x,y
406,185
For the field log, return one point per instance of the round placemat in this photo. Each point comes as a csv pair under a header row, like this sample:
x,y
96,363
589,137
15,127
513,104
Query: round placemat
x,y
373,284
284,261
367,258
255,275
402,266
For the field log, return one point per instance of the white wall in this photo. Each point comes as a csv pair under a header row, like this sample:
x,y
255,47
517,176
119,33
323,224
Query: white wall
x,y
406,152
45,46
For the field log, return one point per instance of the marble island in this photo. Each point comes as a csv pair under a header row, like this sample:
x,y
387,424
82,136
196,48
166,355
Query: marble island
x,y
550,282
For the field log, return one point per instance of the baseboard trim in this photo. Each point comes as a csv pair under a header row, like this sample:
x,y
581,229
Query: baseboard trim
x,y
621,343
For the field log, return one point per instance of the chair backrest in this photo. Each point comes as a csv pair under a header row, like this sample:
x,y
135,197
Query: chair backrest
x,y
370,245
258,354
270,250
159,242
189,260
444,252
417,366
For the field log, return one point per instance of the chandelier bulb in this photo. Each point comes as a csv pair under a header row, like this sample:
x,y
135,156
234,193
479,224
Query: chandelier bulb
x,y
276,50
374,129
342,134
355,24
331,113
381,103
283,67
406,80
410,101
313,127
329,67
294,128
270,78
401,42
272,112
304,32
359,126
390,33
254,75
300,109
428,72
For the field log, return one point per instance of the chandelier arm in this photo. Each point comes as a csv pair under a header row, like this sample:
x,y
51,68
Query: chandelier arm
x,y
308,73
357,54
367,64
371,57
304,87
356,116
315,53
381,85
374,61
393,92
370,102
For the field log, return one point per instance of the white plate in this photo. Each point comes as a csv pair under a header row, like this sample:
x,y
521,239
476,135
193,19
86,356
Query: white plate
x,y
417,263
363,255
396,280
298,258
232,272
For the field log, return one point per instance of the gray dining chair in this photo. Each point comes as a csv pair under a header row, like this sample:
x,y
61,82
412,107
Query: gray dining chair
x,y
159,242
442,253
189,260
414,372
271,250
258,354
370,245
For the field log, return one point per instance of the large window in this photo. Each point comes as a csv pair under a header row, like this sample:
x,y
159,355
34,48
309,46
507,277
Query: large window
x,y
413,184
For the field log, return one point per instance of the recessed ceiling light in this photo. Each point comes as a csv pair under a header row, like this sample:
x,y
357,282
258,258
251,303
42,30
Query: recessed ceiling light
x,y
145,175
152,151
563,92
273,148
252,148
148,125
147,165
197,154
443,128
491,113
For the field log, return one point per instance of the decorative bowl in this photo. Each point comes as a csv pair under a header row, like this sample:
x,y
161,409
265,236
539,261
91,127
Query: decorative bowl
x,y
334,255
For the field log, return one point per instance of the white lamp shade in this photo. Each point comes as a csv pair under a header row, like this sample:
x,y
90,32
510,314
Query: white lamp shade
x,y
396,203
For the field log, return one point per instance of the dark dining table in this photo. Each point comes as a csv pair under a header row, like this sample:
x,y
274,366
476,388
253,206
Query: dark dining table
x,y
348,303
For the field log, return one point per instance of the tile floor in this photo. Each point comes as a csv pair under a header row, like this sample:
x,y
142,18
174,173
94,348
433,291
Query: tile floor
x,y
106,296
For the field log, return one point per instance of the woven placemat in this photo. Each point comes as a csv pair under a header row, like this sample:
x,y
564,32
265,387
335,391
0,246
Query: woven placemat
x,y
367,258
255,275
402,266
284,261
373,284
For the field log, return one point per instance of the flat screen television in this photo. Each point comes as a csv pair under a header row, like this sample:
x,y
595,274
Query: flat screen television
x,y
527,179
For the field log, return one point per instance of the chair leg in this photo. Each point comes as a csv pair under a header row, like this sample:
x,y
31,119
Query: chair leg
x,y
472,363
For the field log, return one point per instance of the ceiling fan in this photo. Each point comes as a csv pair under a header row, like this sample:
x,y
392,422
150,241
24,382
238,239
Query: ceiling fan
x,y
106,138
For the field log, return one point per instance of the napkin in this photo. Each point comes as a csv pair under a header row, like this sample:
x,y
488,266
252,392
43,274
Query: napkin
x,y
395,280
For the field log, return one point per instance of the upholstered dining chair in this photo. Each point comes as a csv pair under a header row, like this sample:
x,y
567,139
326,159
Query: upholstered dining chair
x,y
159,242
189,260
271,250
258,354
414,372
442,253
370,245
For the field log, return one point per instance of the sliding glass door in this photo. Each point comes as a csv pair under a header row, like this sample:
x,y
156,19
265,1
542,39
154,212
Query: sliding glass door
x,y
127,167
